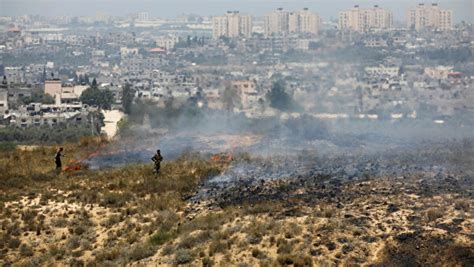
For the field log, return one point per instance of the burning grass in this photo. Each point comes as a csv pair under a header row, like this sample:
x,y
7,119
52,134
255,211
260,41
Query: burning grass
x,y
92,216
130,215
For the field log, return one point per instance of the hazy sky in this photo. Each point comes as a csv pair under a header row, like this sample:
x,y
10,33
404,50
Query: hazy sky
x,y
463,9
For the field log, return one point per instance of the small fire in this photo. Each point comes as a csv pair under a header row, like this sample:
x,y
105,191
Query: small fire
x,y
225,157
77,164
222,158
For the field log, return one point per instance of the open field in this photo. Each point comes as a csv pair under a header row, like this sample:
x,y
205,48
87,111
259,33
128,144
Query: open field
x,y
128,215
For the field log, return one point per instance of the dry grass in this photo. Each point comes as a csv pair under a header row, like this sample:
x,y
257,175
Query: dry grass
x,y
107,203
433,214
128,215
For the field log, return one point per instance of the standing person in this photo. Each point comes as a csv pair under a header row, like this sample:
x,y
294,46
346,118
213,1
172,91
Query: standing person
x,y
157,158
57,159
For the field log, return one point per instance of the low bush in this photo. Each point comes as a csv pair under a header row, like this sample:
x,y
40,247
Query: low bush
x,y
7,146
141,251
57,252
284,247
434,213
161,237
14,243
462,204
217,246
183,256
112,199
257,253
26,251
73,242
108,254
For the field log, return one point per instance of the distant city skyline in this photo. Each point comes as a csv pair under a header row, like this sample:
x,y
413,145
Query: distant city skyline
x,y
463,9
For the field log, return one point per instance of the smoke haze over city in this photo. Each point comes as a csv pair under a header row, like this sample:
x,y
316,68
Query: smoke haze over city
x,y
236,133
169,9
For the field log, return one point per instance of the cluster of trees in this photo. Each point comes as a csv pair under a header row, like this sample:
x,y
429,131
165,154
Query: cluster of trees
x,y
280,99
81,79
128,94
62,56
104,98
277,97
45,134
191,41
37,97
57,134
201,59
99,98
230,98
170,116
452,55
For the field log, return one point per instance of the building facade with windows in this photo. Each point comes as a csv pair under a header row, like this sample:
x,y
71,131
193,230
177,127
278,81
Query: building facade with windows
x,y
281,22
429,16
365,19
232,24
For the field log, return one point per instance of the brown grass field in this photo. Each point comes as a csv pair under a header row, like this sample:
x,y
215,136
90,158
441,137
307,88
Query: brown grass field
x,y
130,216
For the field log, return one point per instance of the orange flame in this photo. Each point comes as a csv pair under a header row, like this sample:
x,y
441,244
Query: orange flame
x,y
77,165
222,158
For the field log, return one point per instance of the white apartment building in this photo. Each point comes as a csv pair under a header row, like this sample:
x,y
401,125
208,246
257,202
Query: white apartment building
x,y
167,42
364,19
438,72
281,22
383,70
308,22
232,24
429,16
277,22
247,91
143,16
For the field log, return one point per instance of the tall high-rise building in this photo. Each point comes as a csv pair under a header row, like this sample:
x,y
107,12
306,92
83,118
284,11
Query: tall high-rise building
x,y
232,24
245,27
282,22
309,22
219,26
429,16
364,19
276,22
143,16
293,22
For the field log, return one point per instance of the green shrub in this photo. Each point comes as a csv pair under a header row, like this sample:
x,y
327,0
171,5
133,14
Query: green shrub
x,y
26,251
57,252
59,222
217,246
257,253
73,242
115,199
108,254
207,262
161,237
43,134
183,256
7,146
141,251
14,243
167,250
284,247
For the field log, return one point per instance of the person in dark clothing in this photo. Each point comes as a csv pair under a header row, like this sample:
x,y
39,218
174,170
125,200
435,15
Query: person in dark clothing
x,y
157,158
57,159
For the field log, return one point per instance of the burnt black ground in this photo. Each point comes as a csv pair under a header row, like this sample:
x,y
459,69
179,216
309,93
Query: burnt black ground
x,y
322,178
